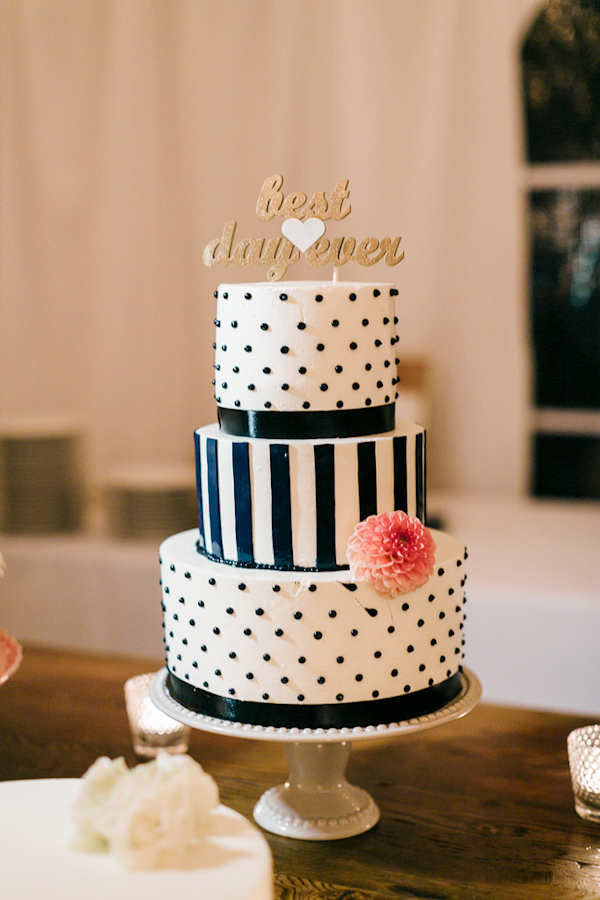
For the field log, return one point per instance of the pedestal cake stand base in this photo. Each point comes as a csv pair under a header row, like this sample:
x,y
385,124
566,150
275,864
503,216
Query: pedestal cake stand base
x,y
317,803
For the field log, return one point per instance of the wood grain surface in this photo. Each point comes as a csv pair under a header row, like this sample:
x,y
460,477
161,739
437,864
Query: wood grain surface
x,y
478,809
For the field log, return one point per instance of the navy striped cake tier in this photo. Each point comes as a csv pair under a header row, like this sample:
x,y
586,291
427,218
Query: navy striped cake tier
x,y
293,505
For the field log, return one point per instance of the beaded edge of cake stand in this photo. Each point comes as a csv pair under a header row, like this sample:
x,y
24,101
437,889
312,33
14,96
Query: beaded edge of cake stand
x,y
467,699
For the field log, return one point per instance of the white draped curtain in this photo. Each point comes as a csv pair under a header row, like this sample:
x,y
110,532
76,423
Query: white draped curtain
x,y
131,130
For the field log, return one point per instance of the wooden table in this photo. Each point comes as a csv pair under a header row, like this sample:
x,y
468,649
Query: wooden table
x,y
478,808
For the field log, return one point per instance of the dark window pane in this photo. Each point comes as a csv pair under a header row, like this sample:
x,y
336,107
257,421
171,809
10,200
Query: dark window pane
x,y
561,82
566,466
565,297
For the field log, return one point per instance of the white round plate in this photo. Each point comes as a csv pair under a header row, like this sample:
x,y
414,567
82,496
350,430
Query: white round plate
x,y
37,862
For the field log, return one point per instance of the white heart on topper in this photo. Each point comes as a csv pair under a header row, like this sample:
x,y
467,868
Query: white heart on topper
x,y
303,234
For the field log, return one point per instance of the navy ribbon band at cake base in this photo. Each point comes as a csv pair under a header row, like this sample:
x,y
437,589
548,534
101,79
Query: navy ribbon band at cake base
x,y
358,714
339,423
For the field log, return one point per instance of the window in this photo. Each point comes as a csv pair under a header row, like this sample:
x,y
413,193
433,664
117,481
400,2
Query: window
x,y
561,90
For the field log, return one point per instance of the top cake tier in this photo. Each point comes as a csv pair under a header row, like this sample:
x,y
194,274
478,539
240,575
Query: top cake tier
x,y
306,359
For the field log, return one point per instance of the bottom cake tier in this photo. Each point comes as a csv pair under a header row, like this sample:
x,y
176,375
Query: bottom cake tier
x,y
321,651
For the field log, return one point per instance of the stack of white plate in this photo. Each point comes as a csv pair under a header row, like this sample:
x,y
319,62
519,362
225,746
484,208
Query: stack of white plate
x,y
150,501
41,476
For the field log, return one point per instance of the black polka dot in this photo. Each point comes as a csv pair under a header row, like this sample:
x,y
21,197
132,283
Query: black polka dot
x,y
339,369
339,697
374,693
365,322
353,345
301,660
318,635
324,387
300,698
248,348
332,613
352,296
394,673
301,326
247,631
265,696
377,654
335,323
339,404
320,680
283,296
266,657
260,611
298,615
355,386
340,659
284,679
279,632
319,298
320,346
284,349
306,405
268,404
302,370
358,677
285,387
264,326
354,632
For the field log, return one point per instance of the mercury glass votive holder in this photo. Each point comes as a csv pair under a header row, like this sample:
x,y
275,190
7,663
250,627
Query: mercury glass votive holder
x,y
583,747
151,729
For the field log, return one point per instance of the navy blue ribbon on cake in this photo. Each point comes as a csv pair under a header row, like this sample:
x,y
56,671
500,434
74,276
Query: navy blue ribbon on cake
x,y
286,424
357,714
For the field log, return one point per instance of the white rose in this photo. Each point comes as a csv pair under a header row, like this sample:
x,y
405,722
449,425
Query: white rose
x,y
148,816
93,811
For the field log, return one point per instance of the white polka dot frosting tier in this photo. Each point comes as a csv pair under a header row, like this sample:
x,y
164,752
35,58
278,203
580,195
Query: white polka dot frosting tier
x,y
324,349
322,651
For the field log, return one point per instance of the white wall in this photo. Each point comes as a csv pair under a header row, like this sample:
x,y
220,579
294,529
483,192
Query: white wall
x,y
131,130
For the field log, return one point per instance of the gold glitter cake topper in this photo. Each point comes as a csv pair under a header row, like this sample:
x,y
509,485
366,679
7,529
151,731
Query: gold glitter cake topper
x,y
302,231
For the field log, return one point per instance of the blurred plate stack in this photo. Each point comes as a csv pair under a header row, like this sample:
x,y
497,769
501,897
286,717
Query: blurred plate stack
x,y
150,501
41,476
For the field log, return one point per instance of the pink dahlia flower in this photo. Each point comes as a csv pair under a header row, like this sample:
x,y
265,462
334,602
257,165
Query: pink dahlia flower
x,y
393,552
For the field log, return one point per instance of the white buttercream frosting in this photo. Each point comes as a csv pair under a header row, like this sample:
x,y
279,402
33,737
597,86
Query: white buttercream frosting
x,y
304,345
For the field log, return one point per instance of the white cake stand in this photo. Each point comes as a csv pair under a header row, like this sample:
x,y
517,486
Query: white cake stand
x,y
317,803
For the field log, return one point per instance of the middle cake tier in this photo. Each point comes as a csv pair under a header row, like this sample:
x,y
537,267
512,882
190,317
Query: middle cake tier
x,y
293,505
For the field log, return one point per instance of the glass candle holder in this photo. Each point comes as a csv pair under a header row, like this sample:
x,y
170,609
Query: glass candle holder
x,y
151,729
583,747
